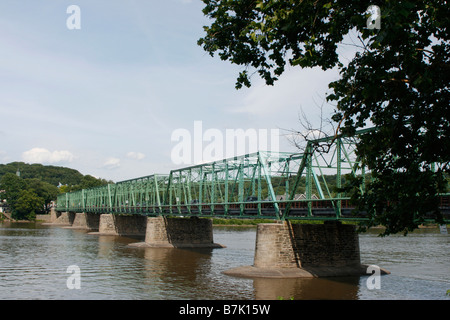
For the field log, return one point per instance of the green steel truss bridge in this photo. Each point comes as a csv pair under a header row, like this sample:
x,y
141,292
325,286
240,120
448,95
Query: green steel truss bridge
x,y
281,186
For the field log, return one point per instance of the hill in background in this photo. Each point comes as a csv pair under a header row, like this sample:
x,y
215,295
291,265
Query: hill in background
x,y
54,175
29,189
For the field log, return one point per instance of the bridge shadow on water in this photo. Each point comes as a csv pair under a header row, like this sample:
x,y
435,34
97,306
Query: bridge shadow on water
x,y
336,288
197,273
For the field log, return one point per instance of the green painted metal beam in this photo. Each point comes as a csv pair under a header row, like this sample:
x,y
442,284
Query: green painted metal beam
x,y
271,185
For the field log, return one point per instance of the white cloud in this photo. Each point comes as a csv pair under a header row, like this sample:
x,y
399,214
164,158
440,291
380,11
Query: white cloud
x,y
111,163
135,155
41,155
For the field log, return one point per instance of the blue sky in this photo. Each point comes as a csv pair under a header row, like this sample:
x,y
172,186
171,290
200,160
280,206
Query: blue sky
x,y
106,99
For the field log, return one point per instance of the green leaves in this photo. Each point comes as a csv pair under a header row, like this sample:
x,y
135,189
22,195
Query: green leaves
x,y
398,81
31,193
259,34
26,197
27,205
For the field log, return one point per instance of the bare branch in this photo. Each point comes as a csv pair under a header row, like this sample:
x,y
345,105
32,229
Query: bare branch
x,y
308,132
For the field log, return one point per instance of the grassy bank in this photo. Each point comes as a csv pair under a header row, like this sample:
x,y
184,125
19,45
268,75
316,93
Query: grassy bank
x,y
254,222
240,222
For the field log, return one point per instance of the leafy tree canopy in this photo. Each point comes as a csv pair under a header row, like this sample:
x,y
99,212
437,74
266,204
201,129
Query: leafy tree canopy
x,y
38,185
398,82
50,174
27,205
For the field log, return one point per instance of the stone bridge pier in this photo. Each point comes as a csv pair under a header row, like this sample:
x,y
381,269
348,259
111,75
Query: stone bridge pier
x,y
178,233
121,225
60,218
285,250
74,220
85,221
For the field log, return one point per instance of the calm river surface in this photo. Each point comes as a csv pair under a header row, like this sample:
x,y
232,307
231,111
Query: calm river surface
x,y
34,259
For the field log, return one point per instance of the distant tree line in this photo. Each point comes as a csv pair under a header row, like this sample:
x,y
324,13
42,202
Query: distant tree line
x,y
29,189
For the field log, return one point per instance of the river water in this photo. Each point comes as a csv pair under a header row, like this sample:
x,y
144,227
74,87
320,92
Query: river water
x,y
34,262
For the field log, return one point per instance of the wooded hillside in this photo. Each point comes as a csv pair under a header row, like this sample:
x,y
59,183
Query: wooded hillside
x,y
28,189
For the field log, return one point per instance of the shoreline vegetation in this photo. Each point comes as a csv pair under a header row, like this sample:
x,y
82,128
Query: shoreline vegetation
x,y
218,222
233,222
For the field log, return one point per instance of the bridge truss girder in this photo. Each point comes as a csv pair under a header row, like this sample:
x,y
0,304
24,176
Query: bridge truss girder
x,y
264,184
259,185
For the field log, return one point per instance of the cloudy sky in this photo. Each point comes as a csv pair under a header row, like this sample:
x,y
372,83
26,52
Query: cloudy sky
x,y
107,99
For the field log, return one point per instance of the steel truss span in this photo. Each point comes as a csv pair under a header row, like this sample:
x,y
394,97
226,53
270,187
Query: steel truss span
x,y
264,184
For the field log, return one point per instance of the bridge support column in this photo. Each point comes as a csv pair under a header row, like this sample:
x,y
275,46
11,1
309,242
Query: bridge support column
x,y
178,233
64,219
54,214
288,250
86,221
121,225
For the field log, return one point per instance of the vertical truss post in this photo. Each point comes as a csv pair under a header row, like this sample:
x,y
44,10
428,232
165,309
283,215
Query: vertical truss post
x,y
109,198
259,190
226,189
157,196
308,151
189,193
83,205
168,199
272,195
200,191
213,187
178,193
338,176
309,183
241,188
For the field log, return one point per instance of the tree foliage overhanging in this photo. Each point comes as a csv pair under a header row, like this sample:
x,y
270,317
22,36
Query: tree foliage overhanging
x,y
398,82
38,186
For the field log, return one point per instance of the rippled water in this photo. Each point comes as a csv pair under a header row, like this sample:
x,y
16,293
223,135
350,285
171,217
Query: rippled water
x,y
34,261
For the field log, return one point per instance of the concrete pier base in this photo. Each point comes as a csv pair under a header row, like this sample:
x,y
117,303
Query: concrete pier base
x,y
163,232
85,221
54,214
288,250
121,225
64,219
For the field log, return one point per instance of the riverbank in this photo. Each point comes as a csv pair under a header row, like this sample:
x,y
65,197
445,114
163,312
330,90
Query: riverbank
x,y
254,222
5,216
229,222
